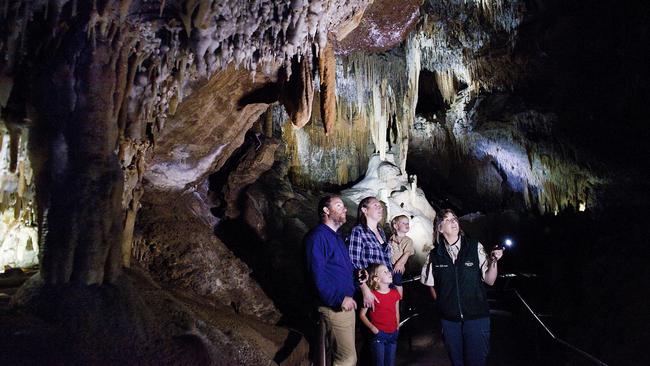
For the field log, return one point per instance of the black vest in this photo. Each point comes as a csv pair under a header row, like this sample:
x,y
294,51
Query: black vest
x,y
460,288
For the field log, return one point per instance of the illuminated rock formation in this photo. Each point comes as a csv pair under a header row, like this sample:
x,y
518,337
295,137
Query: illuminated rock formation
x,y
19,245
400,194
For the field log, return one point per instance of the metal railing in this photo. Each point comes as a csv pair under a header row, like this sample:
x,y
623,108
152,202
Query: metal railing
x,y
409,313
530,311
552,335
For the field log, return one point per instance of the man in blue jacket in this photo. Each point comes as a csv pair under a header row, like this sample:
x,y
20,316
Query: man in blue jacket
x,y
329,264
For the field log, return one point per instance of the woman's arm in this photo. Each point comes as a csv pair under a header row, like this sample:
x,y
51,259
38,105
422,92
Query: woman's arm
x,y
369,298
492,271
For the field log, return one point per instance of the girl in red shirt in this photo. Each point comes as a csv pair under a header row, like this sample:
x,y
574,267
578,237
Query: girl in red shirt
x,y
384,319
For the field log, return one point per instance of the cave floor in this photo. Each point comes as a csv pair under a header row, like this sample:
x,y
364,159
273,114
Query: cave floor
x,y
10,281
421,344
420,341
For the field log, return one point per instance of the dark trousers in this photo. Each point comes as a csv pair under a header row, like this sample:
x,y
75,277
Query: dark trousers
x,y
384,348
467,342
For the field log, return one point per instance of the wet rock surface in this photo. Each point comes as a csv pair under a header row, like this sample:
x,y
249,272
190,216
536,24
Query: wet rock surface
x,y
181,250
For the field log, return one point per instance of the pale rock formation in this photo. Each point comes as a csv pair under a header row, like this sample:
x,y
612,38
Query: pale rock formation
x,y
19,244
387,183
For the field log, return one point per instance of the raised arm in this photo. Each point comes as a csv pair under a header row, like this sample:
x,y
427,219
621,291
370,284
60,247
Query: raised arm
x,y
489,264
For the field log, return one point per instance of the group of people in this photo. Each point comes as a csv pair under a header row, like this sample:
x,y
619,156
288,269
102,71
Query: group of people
x,y
372,265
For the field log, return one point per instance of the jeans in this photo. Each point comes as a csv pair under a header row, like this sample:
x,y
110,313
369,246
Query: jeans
x,y
384,348
467,342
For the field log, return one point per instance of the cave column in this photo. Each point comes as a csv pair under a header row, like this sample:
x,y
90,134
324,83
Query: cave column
x,y
79,181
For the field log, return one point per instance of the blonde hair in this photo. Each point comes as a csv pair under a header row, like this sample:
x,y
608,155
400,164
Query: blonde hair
x,y
373,277
394,222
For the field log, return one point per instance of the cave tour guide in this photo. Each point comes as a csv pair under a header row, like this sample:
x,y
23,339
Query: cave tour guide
x,y
455,271
331,270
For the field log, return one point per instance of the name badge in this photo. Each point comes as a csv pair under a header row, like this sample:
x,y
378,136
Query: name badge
x,y
469,264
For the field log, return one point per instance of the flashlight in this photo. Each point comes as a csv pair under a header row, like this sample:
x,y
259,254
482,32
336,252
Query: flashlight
x,y
507,243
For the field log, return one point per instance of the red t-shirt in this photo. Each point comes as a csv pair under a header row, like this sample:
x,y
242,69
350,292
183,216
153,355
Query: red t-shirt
x,y
384,317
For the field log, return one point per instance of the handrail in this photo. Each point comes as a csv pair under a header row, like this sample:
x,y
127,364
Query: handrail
x,y
559,340
535,316
408,318
416,278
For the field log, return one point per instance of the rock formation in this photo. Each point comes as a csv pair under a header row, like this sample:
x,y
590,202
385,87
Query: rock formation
x,y
161,161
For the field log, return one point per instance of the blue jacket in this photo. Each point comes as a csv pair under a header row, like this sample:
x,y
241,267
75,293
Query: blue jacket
x,y
328,262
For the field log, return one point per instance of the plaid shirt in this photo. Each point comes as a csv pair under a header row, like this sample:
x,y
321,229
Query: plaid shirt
x,y
365,249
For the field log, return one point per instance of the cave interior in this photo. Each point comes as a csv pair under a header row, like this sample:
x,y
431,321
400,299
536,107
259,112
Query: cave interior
x,y
161,162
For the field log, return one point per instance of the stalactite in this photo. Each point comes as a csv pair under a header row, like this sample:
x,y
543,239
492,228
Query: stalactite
x,y
327,71
129,226
14,140
298,92
413,67
456,51
268,122
447,85
125,5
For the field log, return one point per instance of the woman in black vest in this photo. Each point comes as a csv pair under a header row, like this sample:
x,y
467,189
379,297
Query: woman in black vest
x,y
456,270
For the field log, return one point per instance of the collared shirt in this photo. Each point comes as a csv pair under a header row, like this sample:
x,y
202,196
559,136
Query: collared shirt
x,y
453,249
365,249
329,264
400,246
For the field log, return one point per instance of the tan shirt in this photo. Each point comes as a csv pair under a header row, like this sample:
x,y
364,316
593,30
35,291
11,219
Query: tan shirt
x,y
427,278
403,245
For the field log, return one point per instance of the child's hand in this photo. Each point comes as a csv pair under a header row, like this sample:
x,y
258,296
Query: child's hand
x,y
399,268
374,330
